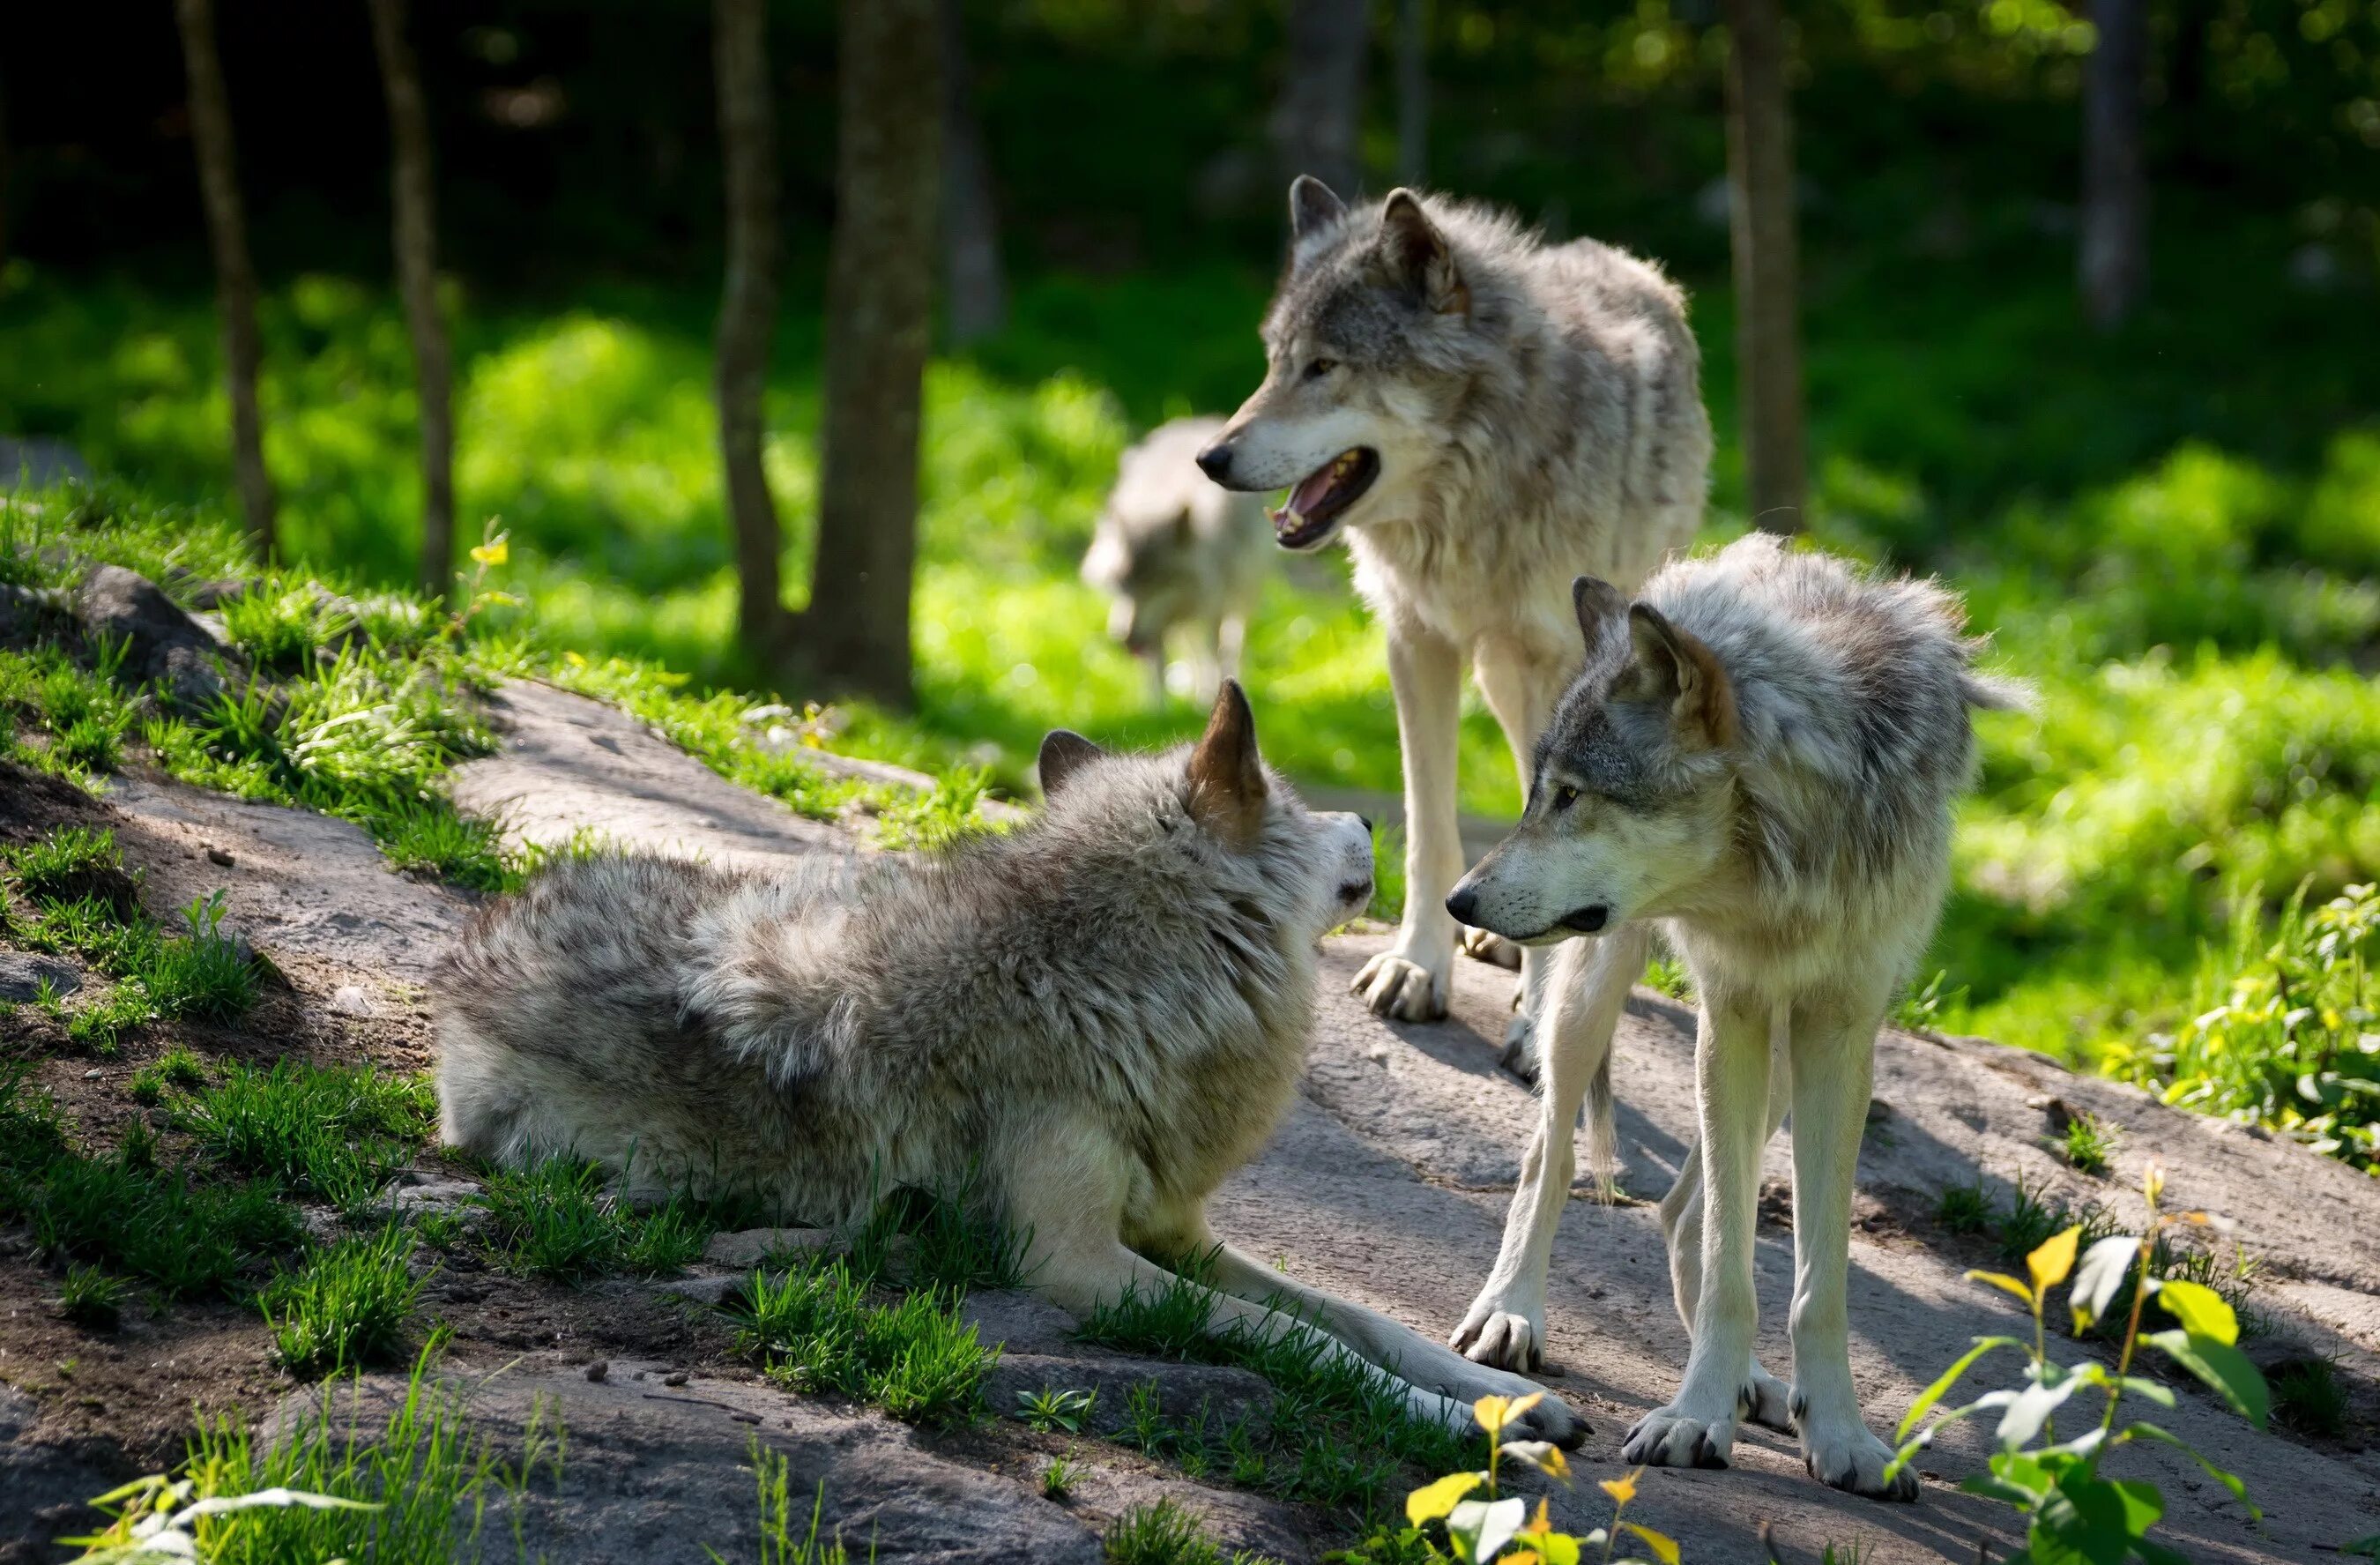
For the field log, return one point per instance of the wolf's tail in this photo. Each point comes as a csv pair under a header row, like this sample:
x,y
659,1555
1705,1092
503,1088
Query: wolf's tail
x,y
1997,692
1602,1131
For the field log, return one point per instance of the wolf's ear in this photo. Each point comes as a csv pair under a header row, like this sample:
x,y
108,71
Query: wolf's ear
x,y
1227,780
1064,752
1674,665
1416,257
1598,603
1314,211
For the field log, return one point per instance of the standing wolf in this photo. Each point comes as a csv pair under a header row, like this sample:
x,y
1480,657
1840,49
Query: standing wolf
x,y
1762,755
1175,553
1098,1018
1487,417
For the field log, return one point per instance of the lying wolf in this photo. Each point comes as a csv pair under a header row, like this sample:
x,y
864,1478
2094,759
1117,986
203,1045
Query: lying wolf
x,y
1485,417
1180,558
1761,755
1094,1019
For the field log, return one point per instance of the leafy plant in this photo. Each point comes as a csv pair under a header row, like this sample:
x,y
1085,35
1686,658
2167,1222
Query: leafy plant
x,y
2071,1512
157,1519
1479,1527
816,1327
1059,1477
1922,1010
779,1544
2089,1144
1965,1208
1048,1411
346,1307
91,1297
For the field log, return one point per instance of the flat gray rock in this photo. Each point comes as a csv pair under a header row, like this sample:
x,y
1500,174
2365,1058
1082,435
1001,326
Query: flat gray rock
x,y
569,764
22,974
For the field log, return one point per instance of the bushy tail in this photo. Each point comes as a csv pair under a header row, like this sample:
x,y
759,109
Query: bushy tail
x,y
1997,692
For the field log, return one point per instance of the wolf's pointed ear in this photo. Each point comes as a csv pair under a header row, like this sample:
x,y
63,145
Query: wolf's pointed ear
x,y
1674,666
1227,779
1598,603
1064,752
1417,258
1314,211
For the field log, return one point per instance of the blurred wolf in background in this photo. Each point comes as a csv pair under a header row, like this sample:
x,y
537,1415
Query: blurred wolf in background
x,y
1486,416
1177,552
1761,754
1090,1023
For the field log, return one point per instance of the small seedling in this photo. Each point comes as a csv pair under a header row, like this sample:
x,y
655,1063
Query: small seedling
x,y
91,1299
176,1069
780,1543
1060,1476
2309,1398
1048,1411
1964,1208
2089,1144
346,1307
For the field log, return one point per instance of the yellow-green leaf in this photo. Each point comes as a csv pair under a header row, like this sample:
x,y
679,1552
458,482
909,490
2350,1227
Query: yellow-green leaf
x,y
1622,1489
1494,1413
2050,1264
495,551
1432,1501
2005,1282
1664,1547
2202,1311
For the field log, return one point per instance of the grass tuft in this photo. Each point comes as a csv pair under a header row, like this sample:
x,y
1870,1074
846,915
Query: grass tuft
x,y
334,1132
816,1327
2309,1397
555,1220
1165,1534
1965,1208
2089,1144
91,1299
346,1307
781,1544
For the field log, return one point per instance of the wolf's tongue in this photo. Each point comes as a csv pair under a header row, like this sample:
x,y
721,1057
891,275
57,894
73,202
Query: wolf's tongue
x,y
1312,488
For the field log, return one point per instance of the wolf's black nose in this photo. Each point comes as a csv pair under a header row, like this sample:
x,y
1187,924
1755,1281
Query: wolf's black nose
x,y
1215,461
1463,903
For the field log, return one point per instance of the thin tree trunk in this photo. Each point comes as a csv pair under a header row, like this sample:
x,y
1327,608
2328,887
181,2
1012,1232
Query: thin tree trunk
x,y
1412,93
1768,337
234,272
747,318
1318,123
975,283
415,226
2113,261
879,321
4,166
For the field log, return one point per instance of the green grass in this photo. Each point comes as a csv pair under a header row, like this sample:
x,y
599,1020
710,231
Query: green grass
x,y
1162,1533
346,1307
1339,1433
2310,1398
177,1069
555,1220
1059,1477
784,1541
1964,1208
818,1326
91,1299
336,1133
2089,1144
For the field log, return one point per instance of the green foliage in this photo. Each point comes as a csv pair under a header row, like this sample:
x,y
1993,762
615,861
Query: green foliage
x,y
1388,872
2089,1144
555,1220
346,1307
91,1299
2309,1397
1964,1208
176,1069
1478,1523
1059,1477
780,1543
1339,1430
1162,1533
2071,1512
1049,1410
334,1132
816,1327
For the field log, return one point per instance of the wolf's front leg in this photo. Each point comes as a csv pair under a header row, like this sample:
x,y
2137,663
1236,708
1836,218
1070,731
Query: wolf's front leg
x,y
1586,983
1834,1065
1413,979
1697,1427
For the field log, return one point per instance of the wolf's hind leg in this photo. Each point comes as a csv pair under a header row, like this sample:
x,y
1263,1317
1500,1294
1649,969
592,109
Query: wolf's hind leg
x,y
1587,988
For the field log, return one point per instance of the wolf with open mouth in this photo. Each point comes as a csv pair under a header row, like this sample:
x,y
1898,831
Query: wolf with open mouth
x,y
1483,417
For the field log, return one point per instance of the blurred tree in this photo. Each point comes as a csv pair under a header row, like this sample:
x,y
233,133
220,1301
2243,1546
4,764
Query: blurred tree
x,y
855,635
1412,93
1318,122
416,228
4,166
234,272
2113,257
747,318
1767,330
975,283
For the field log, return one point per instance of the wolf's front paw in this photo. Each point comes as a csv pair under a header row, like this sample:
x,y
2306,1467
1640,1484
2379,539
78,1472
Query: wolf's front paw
x,y
1767,1402
1520,1056
1674,1436
1506,1333
1491,946
1402,988
1842,1454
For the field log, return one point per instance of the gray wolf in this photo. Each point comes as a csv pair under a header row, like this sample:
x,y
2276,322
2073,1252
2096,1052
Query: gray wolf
x,y
1182,560
1090,1023
1484,417
1760,756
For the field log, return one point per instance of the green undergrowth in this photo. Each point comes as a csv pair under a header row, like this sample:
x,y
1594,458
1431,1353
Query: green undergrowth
x,y
347,1307
819,1326
334,1133
69,893
1339,1431
1163,1533
555,1220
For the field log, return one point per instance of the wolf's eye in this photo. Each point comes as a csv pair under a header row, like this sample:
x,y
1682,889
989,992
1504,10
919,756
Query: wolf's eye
x,y
1565,796
1320,368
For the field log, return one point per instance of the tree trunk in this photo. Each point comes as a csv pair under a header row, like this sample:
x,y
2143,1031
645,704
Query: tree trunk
x,y
879,321
1412,93
747,319
4,166
2113,261
1767,335
416,230
234,272
1318,123
974,282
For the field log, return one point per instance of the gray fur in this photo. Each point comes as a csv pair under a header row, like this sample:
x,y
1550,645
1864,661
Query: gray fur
x,y
1760,756
1536,413
1090,1021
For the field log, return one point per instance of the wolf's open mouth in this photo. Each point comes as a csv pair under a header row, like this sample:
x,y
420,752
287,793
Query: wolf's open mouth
x,y
1314,506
